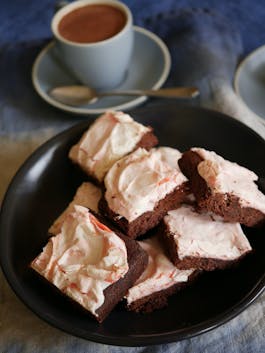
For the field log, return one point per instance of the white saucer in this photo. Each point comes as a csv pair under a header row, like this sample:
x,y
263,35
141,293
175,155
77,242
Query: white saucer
x,y
149,69
249,81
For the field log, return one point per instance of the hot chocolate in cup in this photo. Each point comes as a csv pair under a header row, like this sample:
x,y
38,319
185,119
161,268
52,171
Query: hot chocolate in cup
x,y
94,39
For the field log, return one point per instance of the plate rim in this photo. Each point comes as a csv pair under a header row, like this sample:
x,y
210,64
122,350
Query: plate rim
x,y
131,341
238,73
124,106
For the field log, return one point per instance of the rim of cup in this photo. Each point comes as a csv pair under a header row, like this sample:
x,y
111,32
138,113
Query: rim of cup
x,y
81,3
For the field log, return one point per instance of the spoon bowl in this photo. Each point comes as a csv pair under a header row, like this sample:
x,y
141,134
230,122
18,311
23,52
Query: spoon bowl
x,y
81,95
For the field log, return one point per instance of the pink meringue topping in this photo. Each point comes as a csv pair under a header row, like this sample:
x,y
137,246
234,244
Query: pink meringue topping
x,y
168,155
83,259
160,273
227,177
137,182
204,235
87,195
109,138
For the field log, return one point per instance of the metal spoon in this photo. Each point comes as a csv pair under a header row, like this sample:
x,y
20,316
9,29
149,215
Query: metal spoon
x,y
80,95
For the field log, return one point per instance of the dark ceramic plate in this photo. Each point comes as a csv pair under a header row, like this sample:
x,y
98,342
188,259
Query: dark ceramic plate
x,y
46,183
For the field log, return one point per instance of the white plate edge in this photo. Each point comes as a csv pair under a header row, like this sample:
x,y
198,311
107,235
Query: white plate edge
x,y
237,75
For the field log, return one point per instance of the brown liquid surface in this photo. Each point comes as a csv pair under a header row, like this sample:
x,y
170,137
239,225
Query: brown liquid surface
x,y
92,23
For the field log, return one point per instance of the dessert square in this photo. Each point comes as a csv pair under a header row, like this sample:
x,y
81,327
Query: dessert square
x,y
112,136
159,280
90,263
141,188
87,195
224,187
202,240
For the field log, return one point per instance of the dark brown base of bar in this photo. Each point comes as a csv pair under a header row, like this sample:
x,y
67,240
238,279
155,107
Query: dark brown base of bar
x,y
227,206
148,141
159,300
137,261
154,301
199,263
149,219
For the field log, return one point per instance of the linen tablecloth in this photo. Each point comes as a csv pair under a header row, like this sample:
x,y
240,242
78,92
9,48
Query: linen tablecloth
x,y
206,40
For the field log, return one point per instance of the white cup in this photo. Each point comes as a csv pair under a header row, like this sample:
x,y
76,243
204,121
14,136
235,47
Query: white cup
x,y
102,64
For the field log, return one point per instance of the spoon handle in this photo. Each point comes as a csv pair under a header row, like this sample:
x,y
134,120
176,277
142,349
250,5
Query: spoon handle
x,y
176,92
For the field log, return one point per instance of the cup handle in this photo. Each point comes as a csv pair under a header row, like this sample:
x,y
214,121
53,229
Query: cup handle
x,y
59,5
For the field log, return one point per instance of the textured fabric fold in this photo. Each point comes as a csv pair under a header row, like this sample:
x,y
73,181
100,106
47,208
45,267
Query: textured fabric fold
x,y
205,49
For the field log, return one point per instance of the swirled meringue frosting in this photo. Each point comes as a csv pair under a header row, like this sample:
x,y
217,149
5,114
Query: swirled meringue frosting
x,y
109,138
205,235
224,176
137,182
87,195
83,259
160,273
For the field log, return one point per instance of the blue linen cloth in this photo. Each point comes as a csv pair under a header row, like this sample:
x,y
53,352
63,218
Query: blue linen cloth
x,y
205,44
206,39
